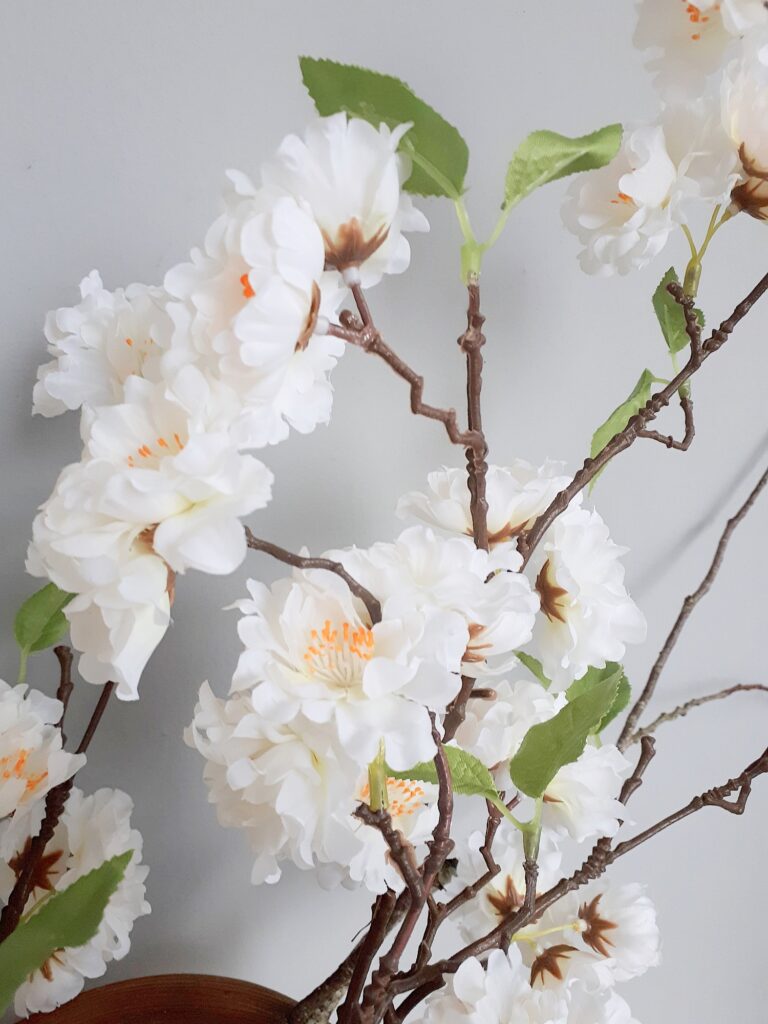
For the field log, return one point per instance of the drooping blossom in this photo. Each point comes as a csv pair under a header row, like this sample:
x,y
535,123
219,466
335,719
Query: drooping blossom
x,y
293,790
92,829
350,174
32,760
311,648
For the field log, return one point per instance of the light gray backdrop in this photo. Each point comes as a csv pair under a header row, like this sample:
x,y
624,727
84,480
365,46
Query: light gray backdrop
x,y
117,121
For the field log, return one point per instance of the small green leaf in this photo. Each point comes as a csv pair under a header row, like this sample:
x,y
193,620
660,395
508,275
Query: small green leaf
x,y
670,314
40,622
469,776
549,745
592,677
535,667
546,156
622,414
439,153
67,920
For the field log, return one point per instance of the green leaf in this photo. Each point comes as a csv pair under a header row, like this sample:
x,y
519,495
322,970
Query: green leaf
x,y
439,153
40,622
67,920
535,667
549,745
592,677
469,776
546,156
670,314
622,414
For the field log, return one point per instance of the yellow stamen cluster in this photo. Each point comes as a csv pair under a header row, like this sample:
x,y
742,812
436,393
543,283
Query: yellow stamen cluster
x,y
339,651
404,796
14,767
146,452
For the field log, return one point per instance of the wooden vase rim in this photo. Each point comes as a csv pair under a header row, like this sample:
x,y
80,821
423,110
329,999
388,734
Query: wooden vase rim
x,y
173,999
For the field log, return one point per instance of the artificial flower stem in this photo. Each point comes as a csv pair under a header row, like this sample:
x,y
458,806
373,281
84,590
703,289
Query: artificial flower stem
x,y
377,782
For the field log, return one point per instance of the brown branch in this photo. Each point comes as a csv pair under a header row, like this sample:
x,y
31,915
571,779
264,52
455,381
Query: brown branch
x,y
601,857
377,933
55,802
367,337
401,850
66,686
666,439
696,702
471,343
528,540
685,612
306,562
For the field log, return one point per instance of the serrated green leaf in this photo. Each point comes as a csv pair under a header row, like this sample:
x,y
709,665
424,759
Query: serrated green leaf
x,y
535,667
469,776
439,153
550,745
67,920
546,156
40,622
597,675
622,414
670,314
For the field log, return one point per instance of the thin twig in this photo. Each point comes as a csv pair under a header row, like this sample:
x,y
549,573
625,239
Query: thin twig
x,y
667,439
528,540
696,702
601,857
66,686
55,802
306,562
685,612
399,847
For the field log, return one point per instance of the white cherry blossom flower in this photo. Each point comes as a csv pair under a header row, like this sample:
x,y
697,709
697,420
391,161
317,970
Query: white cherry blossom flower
x,y
175,477
500,992
516,495
351,175
123,590
293,790
99,343
32,760
258,302
421,570
582,799
586,614
611,923
692,40
310,648
587,617
745,116
92,830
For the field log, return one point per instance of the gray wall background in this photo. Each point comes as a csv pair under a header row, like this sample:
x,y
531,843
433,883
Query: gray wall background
x,y
116,123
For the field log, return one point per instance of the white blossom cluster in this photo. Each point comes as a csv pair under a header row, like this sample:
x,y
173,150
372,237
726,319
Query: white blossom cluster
x,y
704,156
179,384
91,830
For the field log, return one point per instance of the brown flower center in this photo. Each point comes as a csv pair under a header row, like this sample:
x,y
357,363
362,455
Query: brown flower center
x,y
595,933
751,195
311,322
350,247
44,869
508,901
548,962
552,596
